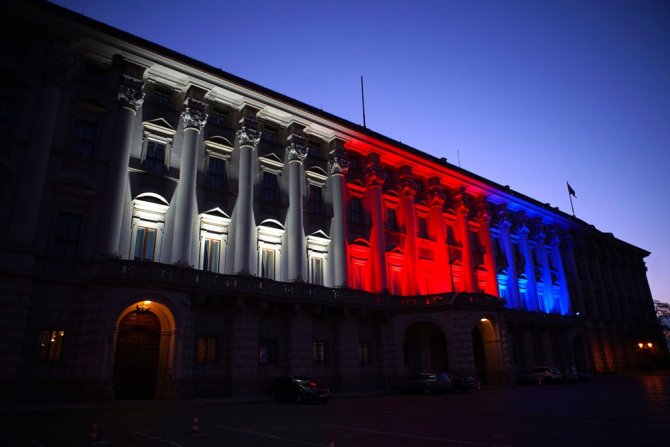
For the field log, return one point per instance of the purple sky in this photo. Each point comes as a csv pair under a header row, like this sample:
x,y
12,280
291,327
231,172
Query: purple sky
x,y
528,93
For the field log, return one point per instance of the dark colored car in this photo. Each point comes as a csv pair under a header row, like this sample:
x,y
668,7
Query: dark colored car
x,y
540,375
461,382
425,383
298,389
571,375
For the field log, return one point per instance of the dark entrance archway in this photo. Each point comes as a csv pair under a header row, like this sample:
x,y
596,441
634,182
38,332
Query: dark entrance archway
x,y
136,358
479,354
425,348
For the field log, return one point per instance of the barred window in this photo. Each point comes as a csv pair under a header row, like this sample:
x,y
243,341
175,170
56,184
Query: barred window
x,y
206,354
319,353
161,98
154,158
269,187
217,118
268,351
216,174
49,345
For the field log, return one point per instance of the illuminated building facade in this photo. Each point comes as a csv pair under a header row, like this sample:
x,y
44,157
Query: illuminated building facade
x,y
171,230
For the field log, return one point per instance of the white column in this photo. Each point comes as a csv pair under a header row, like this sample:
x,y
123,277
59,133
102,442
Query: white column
x,y
296,152
195,119
57,70
246,140
130,98
338,165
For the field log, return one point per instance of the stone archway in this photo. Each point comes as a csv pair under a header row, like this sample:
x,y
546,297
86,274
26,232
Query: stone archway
x,y
143,351
425,348
487,351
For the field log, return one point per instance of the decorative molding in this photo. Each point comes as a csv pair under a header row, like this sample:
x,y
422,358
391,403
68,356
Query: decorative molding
x,y
194,114
296,150
130,92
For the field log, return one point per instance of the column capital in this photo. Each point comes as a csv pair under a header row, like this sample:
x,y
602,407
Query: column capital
x,y
296,149
338,164
248,134
130,92
462,204
407,186
194,114
374,175
484,214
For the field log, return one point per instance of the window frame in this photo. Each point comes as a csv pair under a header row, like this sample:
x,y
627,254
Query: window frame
x,y
210,350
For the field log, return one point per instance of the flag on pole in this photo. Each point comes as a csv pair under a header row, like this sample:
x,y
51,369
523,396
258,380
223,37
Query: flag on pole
x,y
570,190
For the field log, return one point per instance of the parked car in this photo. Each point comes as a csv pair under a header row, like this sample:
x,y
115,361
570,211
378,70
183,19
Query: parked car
x,y
462,382
571,375
425,383
541,375
298,389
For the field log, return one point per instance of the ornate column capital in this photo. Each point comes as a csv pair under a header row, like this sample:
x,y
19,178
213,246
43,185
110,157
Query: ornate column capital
x,y
296,150
194,114
248,134
407,187
374,176
130,92
462,204
484,214
436,196
338,164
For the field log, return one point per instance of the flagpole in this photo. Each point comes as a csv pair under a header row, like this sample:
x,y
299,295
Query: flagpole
x,y
571,192
573,208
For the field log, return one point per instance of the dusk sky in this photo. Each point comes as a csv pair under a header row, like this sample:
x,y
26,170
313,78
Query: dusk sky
x,y
529,94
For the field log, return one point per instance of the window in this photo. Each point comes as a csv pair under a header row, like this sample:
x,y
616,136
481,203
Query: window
x,y
364,353
154,158
269,134
319,354
316,270
161,98
49,345
315,199
269,187
216,174
451,240
83,138
268,263
206,354
211,255
145,244
66,236
423,228
217,118
391,221
355,210
7,111
314,150
268,351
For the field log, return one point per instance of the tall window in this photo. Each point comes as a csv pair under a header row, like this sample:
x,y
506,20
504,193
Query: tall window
x,y
216,174
49,345
269,187
268,351
145,244
316,270
315,199
211,255
6,115
364,353
423,228
154,158
83,138
66,236
319,354
217,118
269,134
355,210
268,263
206,354
391,220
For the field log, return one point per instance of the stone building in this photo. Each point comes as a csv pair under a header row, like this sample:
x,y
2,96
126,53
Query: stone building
x,y
170,230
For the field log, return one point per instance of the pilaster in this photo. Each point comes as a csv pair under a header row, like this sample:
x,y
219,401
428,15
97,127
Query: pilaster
x,y
407,188
462,208
374,178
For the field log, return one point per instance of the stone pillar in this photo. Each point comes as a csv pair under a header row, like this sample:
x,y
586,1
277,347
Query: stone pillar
x,y
529,271
130,98
484,234
505,224
338,165
407,190
246,141
296,151
27,204
436,229
374,178
468,282
195,118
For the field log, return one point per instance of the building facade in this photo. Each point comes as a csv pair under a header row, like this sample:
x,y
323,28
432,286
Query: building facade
x,y
170,230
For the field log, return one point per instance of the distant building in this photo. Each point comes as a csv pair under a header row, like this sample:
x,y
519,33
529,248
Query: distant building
x,y
171,230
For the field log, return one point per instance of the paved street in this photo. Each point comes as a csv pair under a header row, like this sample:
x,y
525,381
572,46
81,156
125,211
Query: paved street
x,y
609,411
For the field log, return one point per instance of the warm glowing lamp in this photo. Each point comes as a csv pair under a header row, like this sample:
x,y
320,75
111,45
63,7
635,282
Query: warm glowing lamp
x,y
484,320
649,345
640,345
144,306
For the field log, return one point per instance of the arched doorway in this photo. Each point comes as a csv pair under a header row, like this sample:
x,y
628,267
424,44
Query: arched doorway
x,y
487,352
425,348
136,358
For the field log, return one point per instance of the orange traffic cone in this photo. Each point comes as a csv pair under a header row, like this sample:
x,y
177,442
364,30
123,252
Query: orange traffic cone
x,y
195,427
331,441
93,432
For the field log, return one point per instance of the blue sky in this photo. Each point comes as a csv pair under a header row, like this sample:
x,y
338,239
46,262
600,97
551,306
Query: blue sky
x,y
529,94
